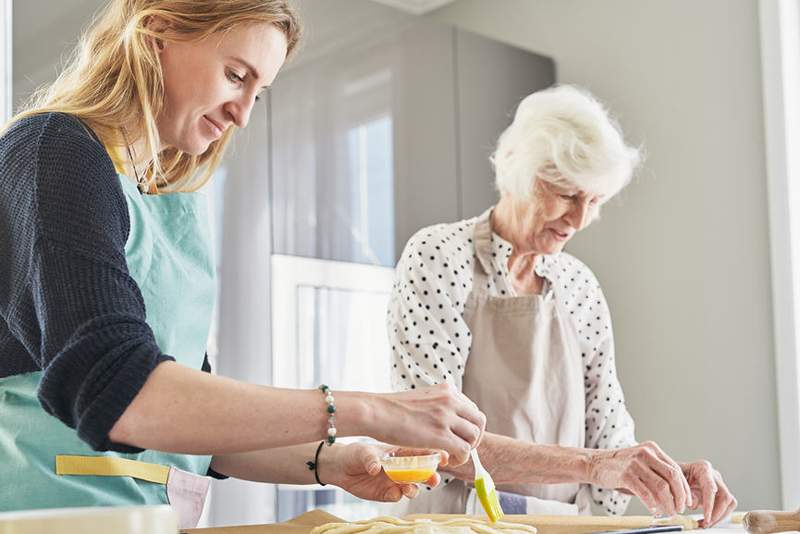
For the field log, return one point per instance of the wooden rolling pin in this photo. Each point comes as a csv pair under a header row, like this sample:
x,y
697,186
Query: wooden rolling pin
x,y
767,521
579,524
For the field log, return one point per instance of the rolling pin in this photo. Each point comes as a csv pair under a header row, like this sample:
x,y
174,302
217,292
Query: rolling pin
x,y
767,521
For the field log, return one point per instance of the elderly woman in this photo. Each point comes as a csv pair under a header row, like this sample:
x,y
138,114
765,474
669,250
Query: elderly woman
x,y
493,306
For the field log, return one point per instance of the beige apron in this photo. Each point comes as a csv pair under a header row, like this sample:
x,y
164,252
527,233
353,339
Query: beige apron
x,y
524,372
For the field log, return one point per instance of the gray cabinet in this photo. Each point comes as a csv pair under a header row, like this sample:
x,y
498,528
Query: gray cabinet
x,y
378,138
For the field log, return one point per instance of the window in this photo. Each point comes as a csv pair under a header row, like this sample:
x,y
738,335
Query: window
x,y
328,327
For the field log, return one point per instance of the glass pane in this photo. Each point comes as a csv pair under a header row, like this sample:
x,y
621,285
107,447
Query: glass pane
x,y
369,150
333,152
342,334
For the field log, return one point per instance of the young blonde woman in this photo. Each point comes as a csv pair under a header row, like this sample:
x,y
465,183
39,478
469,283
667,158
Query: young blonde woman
x,y
106,284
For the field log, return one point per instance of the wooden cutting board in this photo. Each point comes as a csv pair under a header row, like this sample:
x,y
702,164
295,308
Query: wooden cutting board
x,y
578,524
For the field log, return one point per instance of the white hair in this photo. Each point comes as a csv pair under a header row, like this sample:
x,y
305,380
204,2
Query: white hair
x,y
563,135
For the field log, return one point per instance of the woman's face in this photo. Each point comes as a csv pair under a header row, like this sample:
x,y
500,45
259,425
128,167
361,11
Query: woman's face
x,y
555,215
212,84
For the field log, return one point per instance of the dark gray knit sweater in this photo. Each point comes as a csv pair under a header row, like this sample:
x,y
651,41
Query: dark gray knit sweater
x,y
68,306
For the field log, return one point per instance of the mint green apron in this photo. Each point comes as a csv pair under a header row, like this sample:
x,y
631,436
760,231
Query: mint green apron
x,y
168,254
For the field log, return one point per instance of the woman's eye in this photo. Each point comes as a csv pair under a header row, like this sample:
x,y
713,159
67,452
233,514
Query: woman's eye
x,y
567,197
232,76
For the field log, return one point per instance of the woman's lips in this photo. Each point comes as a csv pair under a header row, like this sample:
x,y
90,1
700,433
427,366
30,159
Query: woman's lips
x,y
558,235
216,130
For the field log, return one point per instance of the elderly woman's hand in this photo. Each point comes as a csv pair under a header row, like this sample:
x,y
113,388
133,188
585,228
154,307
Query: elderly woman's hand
x,y
645,471
709,492
356,468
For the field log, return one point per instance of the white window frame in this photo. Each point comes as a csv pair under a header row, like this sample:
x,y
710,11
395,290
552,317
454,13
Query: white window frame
x,y
291,272
6,94
780,58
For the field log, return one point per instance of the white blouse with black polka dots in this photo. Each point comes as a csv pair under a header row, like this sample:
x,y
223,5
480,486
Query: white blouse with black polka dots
x,y
431,341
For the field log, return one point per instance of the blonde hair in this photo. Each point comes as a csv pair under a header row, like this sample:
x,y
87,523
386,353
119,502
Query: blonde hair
x,y
564,136
114,77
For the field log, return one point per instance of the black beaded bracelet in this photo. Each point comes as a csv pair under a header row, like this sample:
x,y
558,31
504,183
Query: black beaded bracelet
x,y
314,466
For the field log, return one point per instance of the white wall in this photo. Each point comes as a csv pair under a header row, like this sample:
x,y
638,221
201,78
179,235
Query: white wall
x,y
683,254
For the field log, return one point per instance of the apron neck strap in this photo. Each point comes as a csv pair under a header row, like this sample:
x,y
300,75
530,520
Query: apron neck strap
x,y
482,238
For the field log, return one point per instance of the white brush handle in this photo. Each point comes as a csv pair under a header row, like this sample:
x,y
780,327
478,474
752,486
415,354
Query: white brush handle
x,y
478,467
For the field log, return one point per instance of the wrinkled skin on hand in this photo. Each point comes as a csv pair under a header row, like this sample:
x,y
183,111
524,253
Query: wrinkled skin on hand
x,y
645,471
663,485
709,492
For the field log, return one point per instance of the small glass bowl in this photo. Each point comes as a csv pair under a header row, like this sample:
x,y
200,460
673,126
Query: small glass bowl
x,y
410,468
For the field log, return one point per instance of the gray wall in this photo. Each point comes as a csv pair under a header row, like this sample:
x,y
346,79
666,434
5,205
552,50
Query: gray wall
x,y
683,253
44,32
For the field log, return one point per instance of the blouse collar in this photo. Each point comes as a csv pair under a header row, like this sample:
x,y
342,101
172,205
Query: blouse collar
x,y
501,251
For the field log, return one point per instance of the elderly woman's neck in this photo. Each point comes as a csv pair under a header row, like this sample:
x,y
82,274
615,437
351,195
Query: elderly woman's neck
x,y
508,221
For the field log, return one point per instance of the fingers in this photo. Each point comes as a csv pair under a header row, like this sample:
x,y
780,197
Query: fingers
x,y
469,411
459,452
704,477
658,488
641,490
670,471
392,494
724,502
409,490
468,432
434,481
370,458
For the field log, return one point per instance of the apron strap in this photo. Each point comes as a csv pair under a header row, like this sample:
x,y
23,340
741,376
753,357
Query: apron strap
x,y
111,466
482,237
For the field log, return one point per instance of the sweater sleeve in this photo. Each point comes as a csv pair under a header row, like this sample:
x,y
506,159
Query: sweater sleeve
x,y
80,313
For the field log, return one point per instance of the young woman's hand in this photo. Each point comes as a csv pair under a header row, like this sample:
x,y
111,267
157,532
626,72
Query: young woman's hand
x,y
437,417
356,468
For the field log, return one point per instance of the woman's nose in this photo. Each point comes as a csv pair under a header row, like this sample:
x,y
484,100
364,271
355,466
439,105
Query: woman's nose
x,y
239,111
578,215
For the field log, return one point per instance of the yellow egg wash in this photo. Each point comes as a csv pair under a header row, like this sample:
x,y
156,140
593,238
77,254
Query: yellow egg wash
x,y
409,475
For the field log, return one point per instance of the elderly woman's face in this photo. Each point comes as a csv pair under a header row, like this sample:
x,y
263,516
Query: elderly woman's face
x,y
556,214
212,84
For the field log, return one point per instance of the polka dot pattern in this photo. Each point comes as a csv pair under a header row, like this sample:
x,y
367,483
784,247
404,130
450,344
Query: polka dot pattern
x,y
430,340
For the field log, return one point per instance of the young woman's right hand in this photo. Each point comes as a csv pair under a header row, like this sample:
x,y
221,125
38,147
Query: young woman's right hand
x,y
436,417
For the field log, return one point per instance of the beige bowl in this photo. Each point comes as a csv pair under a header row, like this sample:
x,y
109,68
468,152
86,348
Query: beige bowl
x,y
102,520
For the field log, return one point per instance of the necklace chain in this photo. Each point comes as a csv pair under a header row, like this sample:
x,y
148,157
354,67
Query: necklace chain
x,y
141,184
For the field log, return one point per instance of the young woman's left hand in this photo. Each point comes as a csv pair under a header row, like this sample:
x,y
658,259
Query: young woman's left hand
x,y
356,468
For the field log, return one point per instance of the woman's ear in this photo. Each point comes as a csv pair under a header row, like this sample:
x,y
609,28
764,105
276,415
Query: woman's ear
x,y
156,25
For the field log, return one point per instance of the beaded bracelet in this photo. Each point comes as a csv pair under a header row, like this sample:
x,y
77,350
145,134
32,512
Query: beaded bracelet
x,y
331,413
